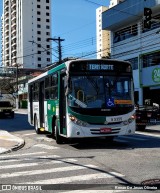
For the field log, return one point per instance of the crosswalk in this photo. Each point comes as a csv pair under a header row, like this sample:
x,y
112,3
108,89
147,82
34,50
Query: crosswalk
x,y
43,166
35,168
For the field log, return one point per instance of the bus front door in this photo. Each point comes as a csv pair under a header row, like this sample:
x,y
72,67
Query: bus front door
x,y
62,105
41,103
31,103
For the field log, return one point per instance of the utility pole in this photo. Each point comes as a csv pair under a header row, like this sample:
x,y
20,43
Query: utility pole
x,y
59,46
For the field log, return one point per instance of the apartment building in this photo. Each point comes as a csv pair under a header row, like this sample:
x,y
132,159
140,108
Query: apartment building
x,y
132,42
26,25
102,36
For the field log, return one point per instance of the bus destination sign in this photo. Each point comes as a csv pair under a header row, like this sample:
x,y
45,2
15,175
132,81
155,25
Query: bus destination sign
x,y
100,67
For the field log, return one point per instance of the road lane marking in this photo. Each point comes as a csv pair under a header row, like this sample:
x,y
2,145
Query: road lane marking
x,y
32,158
46,171
45,146
72,179
17,155
37,164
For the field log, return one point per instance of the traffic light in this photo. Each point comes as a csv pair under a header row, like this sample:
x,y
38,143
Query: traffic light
x,y
147,18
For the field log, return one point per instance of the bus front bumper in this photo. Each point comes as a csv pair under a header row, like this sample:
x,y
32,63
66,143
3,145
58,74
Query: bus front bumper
x,y
76,131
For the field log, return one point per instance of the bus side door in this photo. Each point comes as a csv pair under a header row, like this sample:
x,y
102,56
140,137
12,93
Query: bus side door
x,y
41,103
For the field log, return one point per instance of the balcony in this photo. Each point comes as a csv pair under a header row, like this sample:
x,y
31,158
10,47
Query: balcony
x,y
13,29
14,42
13,1
6,2
13,36
6,14
13,12
126,13
13,16
13,24
6,8
13,6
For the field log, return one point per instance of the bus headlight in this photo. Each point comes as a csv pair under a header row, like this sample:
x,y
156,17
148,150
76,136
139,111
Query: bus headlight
x,y
130,120
77,121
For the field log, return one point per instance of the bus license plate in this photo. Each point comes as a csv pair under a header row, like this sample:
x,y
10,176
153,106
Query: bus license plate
x,y
105,130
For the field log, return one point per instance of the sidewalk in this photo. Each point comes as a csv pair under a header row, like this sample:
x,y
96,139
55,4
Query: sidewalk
x,y
9,142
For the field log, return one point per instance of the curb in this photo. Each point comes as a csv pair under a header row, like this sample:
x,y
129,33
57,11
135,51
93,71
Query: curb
x,y
19,145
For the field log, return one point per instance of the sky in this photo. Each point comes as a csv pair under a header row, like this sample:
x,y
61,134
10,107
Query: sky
x,y
74,21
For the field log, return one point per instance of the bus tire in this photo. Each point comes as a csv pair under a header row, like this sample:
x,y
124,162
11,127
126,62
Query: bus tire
x,y
36,125
59,139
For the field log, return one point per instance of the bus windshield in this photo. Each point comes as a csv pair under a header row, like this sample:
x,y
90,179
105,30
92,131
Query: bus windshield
x,y
100,91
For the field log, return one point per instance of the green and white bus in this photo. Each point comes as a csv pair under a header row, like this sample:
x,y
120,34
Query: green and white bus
x,y
83,98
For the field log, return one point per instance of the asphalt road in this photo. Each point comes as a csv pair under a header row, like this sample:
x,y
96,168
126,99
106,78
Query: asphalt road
x,y
91,163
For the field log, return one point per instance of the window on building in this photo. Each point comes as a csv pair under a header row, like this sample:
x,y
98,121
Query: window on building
x,y
47,27
47,7
47,20
151,59
38,26
48,46
38,32
48,59
39,65
47,1
39,52
125,33
39,59
38,19
47,33
38,6
47,14
38,13
38,39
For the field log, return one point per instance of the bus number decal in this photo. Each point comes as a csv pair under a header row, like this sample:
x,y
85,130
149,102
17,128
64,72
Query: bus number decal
x,y
116,119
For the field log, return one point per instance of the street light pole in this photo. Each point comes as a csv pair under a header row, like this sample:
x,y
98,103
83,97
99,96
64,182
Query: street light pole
x,y
59,46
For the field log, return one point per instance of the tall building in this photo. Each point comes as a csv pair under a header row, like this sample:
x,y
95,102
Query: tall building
x,y
26,25
103,36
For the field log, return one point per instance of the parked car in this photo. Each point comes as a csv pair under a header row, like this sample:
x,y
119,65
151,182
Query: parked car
x,y
145,115
6,109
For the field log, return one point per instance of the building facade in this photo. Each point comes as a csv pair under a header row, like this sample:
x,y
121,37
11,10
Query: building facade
x,y
102,36
26,25
132,42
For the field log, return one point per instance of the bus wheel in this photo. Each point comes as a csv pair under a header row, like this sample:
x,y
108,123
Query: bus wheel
x,y
36,125
59,139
